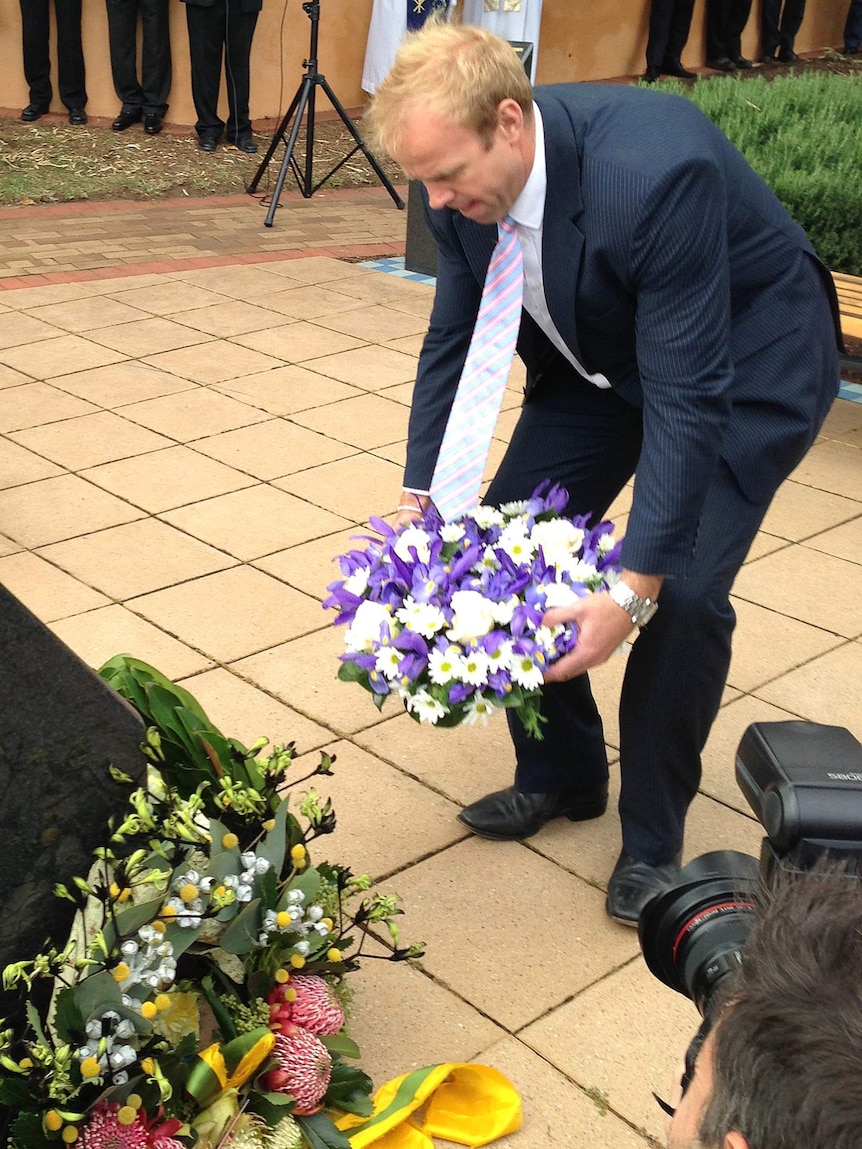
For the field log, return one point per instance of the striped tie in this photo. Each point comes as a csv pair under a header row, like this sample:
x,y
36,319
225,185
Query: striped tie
x,y
467,439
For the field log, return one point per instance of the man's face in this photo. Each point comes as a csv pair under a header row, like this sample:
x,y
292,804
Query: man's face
x,y
682,1131
480,178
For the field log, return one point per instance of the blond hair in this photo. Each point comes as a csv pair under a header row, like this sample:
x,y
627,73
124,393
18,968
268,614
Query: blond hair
x,y
458,71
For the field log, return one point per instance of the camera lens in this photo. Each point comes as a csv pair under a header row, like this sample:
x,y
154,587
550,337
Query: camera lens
x,y
693,933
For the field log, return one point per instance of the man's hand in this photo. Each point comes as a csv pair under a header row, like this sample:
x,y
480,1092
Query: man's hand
x,y
602,626
411,507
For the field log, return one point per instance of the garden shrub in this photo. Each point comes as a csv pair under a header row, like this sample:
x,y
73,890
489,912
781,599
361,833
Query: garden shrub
x,y
801,134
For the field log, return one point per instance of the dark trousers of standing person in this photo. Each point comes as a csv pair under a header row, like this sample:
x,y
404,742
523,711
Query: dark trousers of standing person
x,y
150,94
853,27
779,24
669,24
222,29
70,54
725,20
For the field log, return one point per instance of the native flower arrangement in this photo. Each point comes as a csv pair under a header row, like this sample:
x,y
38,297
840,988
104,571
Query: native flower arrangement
x,y
448,616
200,998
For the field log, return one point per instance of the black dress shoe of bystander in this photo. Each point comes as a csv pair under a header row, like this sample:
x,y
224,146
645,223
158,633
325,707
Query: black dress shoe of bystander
x,y
722,64
508,815
34,112
152,123
672,67
125,119
77,116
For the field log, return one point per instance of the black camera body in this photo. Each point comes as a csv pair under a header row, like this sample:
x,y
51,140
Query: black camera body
x,y
803,780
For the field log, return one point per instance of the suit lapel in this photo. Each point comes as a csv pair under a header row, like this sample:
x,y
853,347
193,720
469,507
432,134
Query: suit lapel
x,y
562,239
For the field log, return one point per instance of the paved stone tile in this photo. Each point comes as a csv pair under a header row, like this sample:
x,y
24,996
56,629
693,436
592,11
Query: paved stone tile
x,y
136,557
99,634
501,897
242,711
255,521
232,613
48,592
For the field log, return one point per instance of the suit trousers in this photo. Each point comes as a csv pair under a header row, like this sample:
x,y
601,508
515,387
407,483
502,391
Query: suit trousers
x,y
725,20
150,93
222,29
853,26
35,24
779,24
588,440
669,24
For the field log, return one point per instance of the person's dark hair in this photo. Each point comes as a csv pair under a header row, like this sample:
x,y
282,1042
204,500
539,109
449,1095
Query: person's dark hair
x,y
788,1045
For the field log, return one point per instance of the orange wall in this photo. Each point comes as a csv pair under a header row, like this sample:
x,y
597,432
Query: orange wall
x,y
580,40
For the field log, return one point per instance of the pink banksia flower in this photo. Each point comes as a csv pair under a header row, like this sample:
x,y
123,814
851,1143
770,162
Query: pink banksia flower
x,y
121,1127
104,1130
307,1001
303,1070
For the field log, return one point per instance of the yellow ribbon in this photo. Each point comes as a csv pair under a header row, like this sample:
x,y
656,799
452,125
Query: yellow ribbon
x,y
469,1104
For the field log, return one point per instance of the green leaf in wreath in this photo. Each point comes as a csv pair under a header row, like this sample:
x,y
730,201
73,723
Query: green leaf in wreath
x,y
26,1132
341,1044
241,935
321,1133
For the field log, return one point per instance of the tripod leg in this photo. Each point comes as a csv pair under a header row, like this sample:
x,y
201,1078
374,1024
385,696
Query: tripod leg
x,y
277,138
303,95
360,143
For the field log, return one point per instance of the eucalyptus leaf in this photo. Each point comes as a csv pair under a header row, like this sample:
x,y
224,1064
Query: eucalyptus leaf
x,y
321,1133
241,935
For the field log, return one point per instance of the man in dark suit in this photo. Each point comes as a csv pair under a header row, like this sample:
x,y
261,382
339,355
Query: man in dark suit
x,y
35,26
780,20
145,98
669,24
725,21
677,326
221,28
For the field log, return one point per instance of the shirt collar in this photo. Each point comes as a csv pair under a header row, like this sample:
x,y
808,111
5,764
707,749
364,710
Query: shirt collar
x,y
528,209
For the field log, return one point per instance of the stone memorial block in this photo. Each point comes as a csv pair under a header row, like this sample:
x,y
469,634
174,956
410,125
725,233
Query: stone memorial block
x,y
60,728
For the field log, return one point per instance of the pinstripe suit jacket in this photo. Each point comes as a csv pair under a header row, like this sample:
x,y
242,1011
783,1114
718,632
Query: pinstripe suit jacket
x,y
670,267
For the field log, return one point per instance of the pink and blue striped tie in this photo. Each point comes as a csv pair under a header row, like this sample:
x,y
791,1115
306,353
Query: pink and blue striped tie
x,y
467,438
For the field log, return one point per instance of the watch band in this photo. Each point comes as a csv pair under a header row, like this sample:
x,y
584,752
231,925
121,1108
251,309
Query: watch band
x,y
640,610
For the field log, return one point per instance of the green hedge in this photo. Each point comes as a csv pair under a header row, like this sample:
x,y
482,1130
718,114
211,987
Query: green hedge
x,y
803,134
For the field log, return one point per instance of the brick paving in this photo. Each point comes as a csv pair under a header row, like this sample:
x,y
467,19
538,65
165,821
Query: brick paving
x,y
70,242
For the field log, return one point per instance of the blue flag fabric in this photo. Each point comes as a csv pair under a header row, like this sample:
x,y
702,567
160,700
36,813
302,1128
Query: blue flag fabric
x,y
418,12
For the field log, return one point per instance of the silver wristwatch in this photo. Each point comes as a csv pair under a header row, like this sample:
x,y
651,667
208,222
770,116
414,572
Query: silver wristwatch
x,y
640,610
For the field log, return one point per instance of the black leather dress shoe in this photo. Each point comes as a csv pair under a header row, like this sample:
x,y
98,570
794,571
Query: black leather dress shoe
x,y
742,62
787,56
632,884
244,144
126,119
508,815
77,116
34,112
722,64
767,59
152,123
652,74
208,143
675,68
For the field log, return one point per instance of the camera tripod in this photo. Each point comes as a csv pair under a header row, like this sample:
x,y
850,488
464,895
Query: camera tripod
x,y
301,105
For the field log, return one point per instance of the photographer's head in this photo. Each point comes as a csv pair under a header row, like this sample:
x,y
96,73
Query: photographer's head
x,y
782,1067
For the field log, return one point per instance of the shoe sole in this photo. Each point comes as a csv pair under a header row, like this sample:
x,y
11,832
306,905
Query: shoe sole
x,y
585,814
620,921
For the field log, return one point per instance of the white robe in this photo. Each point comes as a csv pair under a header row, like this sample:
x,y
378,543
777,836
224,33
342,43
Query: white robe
x,y
523,25
388,25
